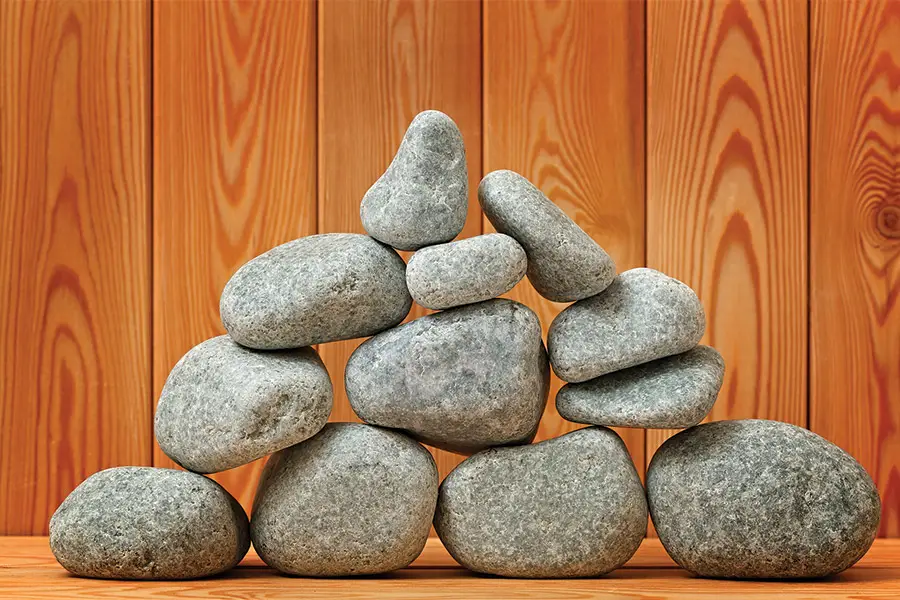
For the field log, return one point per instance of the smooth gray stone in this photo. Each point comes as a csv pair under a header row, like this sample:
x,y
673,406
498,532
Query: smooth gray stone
x,y
672,392
422,198
224,405
148,523
642,316
572,506
760,500
564,263
353,500
317,289
462,380
464,272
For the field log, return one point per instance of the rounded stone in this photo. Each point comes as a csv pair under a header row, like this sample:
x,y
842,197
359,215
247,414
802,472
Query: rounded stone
x,y
760,499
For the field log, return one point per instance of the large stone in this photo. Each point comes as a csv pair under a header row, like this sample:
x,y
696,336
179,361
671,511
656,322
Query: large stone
x,y
224,405
147,523
760,499
572,506
463,379
353,500
317,289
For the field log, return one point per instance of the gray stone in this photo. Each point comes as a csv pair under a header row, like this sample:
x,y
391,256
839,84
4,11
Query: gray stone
x,y
317,289
147,523
760,500
564,263
463,379
672,392
422,198
464,272
572,506
642,316
224,405
353,500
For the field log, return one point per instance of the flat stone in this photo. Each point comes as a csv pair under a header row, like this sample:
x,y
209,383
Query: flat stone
x,y
317,289
672,392
564,263
572,506
422,198
642,316
148,523
462,380
760,500
224,405
353,500
464,272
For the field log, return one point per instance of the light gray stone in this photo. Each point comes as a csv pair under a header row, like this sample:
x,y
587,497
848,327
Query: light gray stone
x,y
148,523
317,289
572,506
353,500
224,405
760,499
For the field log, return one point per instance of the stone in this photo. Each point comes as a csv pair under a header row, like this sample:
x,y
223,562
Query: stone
x,y
564,263
224,405
422,198
148,523
352,500
464,272
642,316
672,392
462,380
317,289
572,506
760,499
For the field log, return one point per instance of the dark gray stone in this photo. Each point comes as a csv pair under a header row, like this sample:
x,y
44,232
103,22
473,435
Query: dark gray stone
x,y
353,500
760,500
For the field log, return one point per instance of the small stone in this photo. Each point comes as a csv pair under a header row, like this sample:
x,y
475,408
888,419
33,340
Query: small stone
x,y
572,506
422,198
759,499
672,392
642,316
353,500
462,380
224,405
317,289
148,523
564,263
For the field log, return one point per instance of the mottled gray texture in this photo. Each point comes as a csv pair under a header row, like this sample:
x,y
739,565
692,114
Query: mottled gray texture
x,y
572,506
760,499
463,379
353,500
564,263
422,198
676,391
464,272
317,289
642,316
224,405
147,523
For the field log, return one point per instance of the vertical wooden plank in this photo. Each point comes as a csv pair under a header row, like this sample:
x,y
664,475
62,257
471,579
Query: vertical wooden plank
x,y
74,219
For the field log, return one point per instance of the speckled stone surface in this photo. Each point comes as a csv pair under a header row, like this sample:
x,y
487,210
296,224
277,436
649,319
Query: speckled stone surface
x,y
317,289
572,506
224,405
463,379
464,272
148,523
422,198
760,499
642,316
353,500
564,263
672,392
